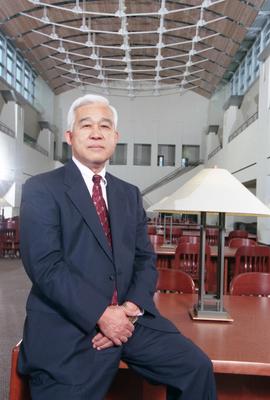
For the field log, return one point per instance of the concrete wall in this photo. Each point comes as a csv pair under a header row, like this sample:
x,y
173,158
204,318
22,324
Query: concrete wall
x,y
247,156
174,119
150,120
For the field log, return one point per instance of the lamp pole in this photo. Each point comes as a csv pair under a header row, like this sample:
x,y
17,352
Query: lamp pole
x,y
210,307
220,261
202,260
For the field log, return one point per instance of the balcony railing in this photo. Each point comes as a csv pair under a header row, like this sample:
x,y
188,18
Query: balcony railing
x,y
242,127
5,129
215,151
29,141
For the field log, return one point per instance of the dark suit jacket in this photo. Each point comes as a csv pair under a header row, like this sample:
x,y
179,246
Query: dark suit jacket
x,y
74,271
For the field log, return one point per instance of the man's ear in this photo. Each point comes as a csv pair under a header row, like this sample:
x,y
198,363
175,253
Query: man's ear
x,y
68,137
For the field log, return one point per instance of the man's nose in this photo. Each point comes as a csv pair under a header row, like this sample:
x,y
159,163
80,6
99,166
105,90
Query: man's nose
x,y
95,131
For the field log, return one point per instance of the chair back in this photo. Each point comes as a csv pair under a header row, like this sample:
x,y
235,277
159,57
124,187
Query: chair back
x,y
175,231
189,239
238,242
156,239
251,284
187,258
19,387
252,259
175,281
151,229
212,236
237,234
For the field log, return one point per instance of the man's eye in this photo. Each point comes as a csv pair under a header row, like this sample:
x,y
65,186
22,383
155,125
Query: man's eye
x,y
86,126
104,126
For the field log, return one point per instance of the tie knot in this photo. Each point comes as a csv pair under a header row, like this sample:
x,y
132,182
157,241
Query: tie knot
x,y
97,179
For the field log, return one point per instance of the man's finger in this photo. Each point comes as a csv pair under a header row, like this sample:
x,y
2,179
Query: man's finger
x,y
97,337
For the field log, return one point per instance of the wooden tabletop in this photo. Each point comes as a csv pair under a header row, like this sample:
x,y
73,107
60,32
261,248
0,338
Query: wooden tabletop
x,y
229,252
240,347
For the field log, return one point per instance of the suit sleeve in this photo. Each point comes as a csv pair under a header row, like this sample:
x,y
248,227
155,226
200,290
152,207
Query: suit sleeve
x,y
56,282
144,279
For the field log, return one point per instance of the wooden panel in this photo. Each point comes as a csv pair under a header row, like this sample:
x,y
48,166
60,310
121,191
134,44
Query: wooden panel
x,y
232,31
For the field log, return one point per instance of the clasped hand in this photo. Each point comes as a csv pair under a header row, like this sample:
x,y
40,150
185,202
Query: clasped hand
x,y
115,326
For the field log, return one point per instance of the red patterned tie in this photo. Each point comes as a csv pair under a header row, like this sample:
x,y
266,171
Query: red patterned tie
x,y
103,215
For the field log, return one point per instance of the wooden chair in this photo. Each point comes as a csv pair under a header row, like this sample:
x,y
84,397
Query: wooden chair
x,y
238,242
251,284
156,239
189,239
175,281
237,234
176,233
9,238
19,387
151,229
187,259
252,259
212,236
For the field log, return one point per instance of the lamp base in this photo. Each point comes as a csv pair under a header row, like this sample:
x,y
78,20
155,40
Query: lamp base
x,y
209,313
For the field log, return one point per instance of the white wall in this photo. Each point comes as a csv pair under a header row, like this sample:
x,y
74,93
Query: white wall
x,y
7,115
247,156
170,119
44,100
18,161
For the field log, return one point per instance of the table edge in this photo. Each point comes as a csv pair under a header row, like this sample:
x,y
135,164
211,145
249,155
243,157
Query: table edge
x,y
241,367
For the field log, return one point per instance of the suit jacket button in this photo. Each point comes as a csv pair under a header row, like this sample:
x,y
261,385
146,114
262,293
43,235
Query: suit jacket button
x,y
112,277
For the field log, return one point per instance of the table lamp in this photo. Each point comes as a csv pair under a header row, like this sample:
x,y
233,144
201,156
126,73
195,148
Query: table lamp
x,y
212,190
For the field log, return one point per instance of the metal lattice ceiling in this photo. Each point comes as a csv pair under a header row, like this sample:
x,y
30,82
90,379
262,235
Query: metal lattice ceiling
x,y
130,47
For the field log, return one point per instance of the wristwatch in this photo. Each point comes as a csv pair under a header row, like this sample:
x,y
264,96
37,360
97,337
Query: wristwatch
x,y
133,319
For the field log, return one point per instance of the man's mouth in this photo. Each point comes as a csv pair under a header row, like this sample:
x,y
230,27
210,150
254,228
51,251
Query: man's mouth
x,y
95,147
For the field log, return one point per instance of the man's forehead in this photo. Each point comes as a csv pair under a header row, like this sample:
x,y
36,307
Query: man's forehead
x,y
94,107
93,119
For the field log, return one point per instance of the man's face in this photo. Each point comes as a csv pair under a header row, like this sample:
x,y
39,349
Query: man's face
x,y
93,137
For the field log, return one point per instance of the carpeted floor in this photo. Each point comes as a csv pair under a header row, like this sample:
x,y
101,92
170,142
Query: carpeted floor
x,y
14,288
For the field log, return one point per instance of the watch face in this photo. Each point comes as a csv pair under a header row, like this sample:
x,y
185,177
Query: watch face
x,y
133,319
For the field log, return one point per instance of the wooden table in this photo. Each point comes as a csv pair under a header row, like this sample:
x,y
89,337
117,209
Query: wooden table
x,y
239,350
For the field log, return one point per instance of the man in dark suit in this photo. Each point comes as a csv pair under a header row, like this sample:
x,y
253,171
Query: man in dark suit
x,y
91,303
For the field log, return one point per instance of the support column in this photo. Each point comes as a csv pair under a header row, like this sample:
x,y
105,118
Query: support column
x,y
263,175
46,138
230,116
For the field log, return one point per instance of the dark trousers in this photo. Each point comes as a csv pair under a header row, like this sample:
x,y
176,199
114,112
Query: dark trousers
x,y
161,357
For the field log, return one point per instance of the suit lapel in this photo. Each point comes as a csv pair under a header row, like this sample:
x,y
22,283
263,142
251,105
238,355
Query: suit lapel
x,y
79,195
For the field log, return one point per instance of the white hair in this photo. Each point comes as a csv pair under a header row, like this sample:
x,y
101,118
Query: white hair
x,y
88,99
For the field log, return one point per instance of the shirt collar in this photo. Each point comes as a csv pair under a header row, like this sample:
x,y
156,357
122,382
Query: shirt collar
x,y
87,173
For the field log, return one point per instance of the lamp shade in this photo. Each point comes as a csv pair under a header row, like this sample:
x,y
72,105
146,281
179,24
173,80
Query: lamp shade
x,y
212,190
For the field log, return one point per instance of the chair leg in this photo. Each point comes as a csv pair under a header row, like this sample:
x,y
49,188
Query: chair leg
x,y
153,392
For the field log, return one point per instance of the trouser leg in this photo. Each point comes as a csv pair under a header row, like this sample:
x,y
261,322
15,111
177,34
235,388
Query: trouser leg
x,y
173,360
106,362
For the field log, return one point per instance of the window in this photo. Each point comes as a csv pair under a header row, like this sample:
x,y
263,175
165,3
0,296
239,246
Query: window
x,y
26,82
248,70
242,78
66,152
120,155
19,74
142,154
2,54
15,70
166,155
249,66
10,65
190,153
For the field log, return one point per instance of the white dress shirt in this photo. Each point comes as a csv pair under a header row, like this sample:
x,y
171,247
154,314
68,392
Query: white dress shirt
x,y
88,174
